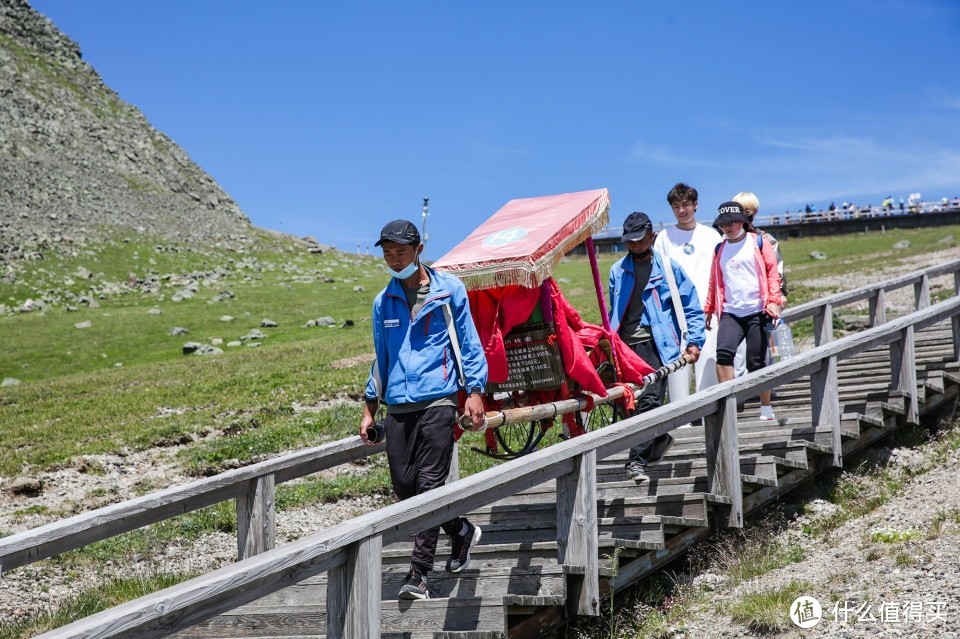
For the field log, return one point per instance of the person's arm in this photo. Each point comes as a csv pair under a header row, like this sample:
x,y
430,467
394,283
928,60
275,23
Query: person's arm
x,y
474,359
376,382
710,306
691,309
774,301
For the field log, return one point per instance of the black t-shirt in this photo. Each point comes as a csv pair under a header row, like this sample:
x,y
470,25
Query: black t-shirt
x,y
632,330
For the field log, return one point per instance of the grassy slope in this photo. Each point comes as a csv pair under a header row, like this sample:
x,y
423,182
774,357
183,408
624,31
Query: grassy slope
x,y
72,384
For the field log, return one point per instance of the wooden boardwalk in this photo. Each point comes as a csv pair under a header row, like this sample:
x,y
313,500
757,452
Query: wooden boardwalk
x,y
563,526
516,587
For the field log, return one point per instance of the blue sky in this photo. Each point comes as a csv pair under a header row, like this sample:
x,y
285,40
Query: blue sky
x,y
331,118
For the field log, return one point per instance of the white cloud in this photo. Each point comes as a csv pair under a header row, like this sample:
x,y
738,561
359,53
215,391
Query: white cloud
x,y
818,169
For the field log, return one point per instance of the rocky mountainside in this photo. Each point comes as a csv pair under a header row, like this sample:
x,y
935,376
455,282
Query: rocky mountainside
x,y
75,160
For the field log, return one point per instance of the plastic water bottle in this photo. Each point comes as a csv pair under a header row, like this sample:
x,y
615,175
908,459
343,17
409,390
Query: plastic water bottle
x,y
780,340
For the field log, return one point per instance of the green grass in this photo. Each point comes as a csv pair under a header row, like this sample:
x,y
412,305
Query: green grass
x,y
93,599
768,611
124,383
894,536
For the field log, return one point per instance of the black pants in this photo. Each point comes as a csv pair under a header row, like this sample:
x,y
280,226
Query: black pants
x,y
419,449
651,398
733,330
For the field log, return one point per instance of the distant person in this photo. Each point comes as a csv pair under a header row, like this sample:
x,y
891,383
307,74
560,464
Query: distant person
x,y
744,293
690,244
418,375
645,315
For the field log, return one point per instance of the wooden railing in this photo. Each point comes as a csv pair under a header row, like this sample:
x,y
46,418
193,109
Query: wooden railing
x,y
251,486
351,552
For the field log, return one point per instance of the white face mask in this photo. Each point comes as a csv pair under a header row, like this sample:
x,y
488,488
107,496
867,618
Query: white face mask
x,y
409,270
742,232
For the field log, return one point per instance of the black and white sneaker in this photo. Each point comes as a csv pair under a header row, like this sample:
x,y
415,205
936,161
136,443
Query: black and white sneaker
x,y
414,586
460,557
636,472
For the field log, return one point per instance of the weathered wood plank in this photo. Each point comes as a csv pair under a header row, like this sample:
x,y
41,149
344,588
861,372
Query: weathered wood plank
x,y
921,292
825,405
903,373
58,537
256,518
723,458
577,533
878,308
363,605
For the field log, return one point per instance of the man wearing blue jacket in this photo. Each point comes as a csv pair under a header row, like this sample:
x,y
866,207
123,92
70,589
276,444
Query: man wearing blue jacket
x,y
644,313
427,350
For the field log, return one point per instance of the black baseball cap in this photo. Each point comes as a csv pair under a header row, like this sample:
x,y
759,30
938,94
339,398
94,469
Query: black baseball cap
x,y
636,226
730,212
399,231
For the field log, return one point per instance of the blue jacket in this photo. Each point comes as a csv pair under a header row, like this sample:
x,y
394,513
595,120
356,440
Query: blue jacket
x,y
658,308
415,361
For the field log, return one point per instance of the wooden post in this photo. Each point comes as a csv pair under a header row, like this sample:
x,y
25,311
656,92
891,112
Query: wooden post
x,y
903,373
353,592
956,282
256,518
723,459
825,404
338,584
577,534
955,327
823,325
921,292
878,308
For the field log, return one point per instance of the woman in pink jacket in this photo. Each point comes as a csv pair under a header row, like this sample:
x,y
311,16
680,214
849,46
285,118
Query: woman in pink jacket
x,y
744,292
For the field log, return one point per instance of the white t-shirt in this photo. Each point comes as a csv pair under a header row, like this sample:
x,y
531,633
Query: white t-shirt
x,y
692,250
741,286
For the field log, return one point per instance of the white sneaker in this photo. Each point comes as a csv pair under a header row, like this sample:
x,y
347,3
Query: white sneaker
x,y
766,414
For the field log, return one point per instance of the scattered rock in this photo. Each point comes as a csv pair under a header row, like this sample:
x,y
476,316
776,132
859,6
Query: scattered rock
x,y
154,311
191,347
216,341
83,274
83,324
254,334
817,255
207,349
179,330
855,322
268,323
234,343
9,381
358,289
901,245
947,240
347,324
226,318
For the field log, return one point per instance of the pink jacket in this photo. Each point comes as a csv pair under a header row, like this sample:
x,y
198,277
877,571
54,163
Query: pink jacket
x,y
766,265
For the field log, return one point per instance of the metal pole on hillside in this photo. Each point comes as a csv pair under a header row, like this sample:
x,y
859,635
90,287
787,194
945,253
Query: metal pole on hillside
x,y
423,224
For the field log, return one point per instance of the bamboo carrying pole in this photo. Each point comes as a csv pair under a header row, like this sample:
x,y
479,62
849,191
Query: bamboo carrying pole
x,y
549,410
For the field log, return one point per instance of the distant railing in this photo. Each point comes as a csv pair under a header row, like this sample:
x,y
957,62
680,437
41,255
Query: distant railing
x,y
351,552
855,213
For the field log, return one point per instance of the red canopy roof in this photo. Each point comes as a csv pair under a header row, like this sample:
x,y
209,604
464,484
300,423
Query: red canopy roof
x,y
523,241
